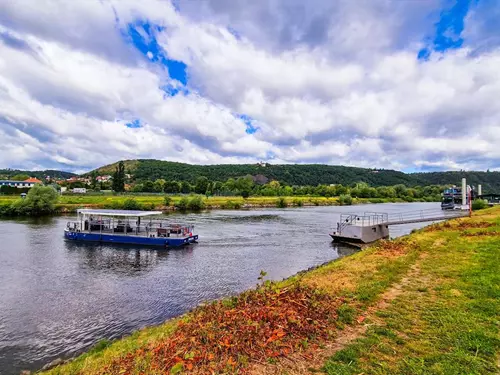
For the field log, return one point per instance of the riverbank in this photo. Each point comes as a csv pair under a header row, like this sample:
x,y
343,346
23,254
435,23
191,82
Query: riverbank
x,y
426,303
70,203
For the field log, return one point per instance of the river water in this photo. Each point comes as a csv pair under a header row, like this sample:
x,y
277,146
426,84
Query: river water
x,y
58,298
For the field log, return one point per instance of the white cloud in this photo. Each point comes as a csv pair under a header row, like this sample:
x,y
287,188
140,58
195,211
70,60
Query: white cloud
x,y
341,85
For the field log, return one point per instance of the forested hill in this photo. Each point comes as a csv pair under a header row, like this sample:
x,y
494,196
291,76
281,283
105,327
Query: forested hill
x,y
489,180
9,173
299,174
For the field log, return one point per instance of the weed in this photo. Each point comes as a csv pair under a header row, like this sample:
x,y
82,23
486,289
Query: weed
x,y
346,314
281,202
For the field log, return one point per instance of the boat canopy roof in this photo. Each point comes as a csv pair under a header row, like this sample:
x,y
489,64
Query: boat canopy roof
x,y
122,213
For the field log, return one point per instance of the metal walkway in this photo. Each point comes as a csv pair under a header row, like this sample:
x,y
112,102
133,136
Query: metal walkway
x,y
377,218
371,226
423,216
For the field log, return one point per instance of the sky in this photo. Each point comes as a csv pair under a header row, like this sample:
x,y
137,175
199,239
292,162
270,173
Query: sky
x,y
411,85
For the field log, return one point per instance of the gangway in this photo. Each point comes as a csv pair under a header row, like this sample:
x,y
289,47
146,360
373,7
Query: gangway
x,y
372,226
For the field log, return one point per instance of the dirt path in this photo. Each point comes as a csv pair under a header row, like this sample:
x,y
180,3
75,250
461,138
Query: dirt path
x,y
313,361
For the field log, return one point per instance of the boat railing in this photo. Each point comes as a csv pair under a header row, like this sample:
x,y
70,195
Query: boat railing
x,y
131,227
366,219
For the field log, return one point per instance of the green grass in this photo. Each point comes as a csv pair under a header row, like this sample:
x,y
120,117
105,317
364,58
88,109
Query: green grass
x,y
446,321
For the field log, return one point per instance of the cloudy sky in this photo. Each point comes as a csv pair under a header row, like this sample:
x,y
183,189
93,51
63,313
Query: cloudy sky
x,y
404,84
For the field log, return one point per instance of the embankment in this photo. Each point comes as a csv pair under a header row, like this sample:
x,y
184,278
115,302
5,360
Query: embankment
x,y
426,303
70,203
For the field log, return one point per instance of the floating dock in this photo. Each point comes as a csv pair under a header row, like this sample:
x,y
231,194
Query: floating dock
x,y
373,226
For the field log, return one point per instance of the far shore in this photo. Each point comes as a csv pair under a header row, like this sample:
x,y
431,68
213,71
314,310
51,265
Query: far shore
x,y
70,203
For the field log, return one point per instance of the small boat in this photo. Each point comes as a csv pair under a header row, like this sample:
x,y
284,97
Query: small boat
x,y
128,227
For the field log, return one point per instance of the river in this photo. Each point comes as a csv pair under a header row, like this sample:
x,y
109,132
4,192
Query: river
x,y
58,298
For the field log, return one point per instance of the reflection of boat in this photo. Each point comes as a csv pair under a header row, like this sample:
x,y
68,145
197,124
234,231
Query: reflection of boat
x,y
125,227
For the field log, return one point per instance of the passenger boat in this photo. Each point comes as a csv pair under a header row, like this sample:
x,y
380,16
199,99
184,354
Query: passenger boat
x,y
128,227
452,198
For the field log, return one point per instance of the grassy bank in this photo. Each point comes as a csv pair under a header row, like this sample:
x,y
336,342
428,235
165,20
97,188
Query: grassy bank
x,y
425,304
70,203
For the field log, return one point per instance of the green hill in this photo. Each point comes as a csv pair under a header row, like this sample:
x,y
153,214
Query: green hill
x,y
8,173
489,180
299,174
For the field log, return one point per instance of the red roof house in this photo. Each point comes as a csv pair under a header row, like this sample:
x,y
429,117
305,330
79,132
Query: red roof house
x,y
33,180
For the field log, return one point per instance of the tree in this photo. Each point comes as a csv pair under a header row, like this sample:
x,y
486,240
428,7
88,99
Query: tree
x,y
159,185
148,186
244,185
172,187
119,178
230,184
201,185
93,180
20,177
185,187
274,185
40,200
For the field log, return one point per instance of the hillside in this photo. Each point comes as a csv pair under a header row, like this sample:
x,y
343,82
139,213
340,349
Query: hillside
x,y
299,174
8,173
293,174
489,180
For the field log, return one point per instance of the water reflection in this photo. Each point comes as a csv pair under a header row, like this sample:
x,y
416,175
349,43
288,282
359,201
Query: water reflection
x,y
121,259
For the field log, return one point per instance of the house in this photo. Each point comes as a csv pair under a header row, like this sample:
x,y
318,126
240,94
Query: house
x,y
29,183
104,178
33,180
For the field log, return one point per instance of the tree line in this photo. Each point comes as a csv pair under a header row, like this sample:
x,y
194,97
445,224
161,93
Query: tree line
x,y
301,174
246,186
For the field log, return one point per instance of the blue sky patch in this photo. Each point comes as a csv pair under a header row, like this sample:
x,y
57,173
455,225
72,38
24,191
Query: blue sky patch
x,y
249,123
173,90
448,30
143,36
135,124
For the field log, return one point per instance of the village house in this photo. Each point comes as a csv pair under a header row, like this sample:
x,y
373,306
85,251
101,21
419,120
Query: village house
x,y
29,183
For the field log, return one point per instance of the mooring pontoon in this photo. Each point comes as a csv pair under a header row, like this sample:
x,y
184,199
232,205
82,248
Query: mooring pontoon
x,y
128,227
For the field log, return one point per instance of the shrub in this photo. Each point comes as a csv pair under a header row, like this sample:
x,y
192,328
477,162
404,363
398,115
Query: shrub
x,y
40,200
479,204
182,204
298,202
131,204
196,203
231,205
167,200
315,202
345,200
281,202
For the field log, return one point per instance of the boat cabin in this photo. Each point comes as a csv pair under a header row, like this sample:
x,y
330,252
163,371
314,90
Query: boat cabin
x,y
128,226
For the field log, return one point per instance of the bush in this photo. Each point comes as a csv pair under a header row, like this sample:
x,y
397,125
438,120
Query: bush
x,y
40,200
315,202
231,205
182,204
345,200
196,203
298,202
131,204
167,200
479,204
281,202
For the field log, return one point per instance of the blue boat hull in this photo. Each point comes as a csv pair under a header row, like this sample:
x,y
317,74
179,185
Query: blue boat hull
x,y
133,240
